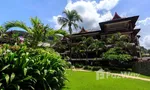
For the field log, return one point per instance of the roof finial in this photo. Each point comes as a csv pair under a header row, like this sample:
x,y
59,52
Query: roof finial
x,y
116,16
83,30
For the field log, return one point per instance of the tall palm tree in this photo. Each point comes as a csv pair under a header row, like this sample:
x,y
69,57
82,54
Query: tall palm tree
x,y
36,33
71,17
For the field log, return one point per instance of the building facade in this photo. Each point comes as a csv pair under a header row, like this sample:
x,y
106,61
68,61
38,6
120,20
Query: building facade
x,y
124,26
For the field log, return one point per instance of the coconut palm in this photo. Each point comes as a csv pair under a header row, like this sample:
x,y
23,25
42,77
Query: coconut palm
x,y
36,33
71,17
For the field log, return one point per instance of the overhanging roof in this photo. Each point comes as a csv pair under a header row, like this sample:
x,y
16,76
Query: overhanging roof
x,y
133,21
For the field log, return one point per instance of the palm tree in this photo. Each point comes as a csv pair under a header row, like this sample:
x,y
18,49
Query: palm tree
x,y
56,36
84,44
96,46
36,33
71,17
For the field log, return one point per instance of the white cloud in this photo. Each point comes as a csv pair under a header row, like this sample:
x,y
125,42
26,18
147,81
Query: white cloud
x,y
89,11
145,21
107,4
145,32
54,20
146,41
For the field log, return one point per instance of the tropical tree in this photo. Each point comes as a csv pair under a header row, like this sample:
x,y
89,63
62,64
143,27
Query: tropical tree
x,y
2,31
118,39
76,50
97,46
55,37
36,33
121,48
84,44
71,18
60,31
148,51
116,54
122,41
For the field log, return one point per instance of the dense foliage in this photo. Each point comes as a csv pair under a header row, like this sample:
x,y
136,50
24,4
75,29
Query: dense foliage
x,y
26,68
116,54
121,49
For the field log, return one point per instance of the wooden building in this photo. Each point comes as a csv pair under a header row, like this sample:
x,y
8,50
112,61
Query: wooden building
x,y
117,24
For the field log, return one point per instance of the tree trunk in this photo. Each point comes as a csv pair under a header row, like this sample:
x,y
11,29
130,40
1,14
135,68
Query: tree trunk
x,y
70,31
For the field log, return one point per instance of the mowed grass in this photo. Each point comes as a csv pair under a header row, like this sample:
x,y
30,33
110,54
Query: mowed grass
x,y
80,80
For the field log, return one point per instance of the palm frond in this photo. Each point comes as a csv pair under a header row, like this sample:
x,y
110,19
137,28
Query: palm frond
x,y
68,14
64,25
75,25
71,17
19,24
35,22
62,20
2,30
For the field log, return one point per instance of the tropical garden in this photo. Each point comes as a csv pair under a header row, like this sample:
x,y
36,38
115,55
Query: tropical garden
x,y
29,64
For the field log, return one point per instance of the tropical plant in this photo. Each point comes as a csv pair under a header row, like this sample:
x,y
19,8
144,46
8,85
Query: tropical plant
x,y
62,32
124,42
76,50
97,46
71,17
36,33
55,37
117,54
84,45
2,31
118,39
23,68
89,44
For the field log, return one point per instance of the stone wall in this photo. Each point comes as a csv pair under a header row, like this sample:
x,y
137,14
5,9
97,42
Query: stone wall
x,y
142,67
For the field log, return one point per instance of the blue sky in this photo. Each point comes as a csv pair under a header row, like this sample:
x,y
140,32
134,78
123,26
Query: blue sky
x,y
46,9
94,11
24,9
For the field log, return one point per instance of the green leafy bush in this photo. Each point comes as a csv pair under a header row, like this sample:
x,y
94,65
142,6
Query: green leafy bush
x,y
96,68
68,64
116,54
78,65
87,67
26,68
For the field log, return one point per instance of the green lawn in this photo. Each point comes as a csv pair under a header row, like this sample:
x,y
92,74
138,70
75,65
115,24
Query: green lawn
x,y
79,80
